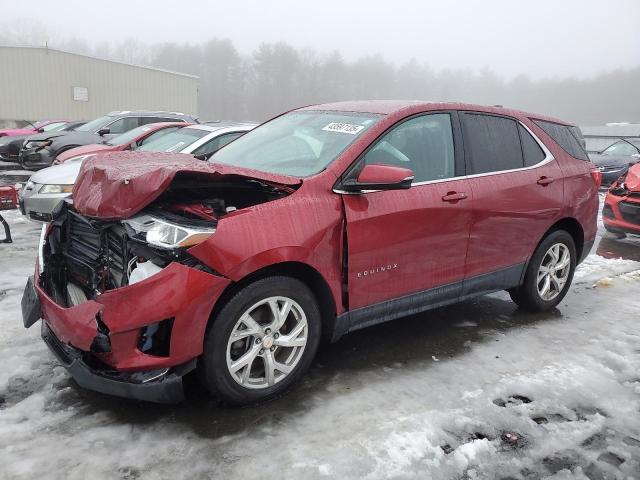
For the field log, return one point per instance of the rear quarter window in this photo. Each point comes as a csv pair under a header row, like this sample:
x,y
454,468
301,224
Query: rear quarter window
x,y
565,136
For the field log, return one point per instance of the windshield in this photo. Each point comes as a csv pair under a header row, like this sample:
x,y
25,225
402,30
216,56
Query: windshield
x,y
299,143
95,125
621,148
129,136
174,141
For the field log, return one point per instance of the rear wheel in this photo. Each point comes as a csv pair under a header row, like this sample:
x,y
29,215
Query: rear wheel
x,y
549,273
262,341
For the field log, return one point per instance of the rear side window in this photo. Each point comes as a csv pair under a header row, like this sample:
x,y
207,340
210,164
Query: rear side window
x,y
531,151
564,136
493,143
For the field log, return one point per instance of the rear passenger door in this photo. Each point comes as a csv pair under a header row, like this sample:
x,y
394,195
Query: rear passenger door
x,y
518,194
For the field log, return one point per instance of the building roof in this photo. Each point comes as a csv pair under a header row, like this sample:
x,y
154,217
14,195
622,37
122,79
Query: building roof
x,y
47,48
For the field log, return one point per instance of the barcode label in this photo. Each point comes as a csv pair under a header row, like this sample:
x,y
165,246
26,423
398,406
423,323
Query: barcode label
x,y
343,128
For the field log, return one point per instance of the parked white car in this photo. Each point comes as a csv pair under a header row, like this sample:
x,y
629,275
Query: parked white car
x,y
48,187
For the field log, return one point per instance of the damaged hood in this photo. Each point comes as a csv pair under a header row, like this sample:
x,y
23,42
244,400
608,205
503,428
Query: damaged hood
x,y
117,185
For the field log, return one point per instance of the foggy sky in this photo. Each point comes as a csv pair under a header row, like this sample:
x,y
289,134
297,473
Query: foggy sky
x,y
539,38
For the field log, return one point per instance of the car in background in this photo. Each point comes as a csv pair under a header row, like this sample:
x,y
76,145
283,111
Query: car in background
x,y
616,159
10,146
320,222
621,211
127,141
41,150
38,127
47,188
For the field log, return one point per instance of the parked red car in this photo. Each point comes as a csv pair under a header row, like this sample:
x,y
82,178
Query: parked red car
x,y
127,141
42,126
621,211
322,221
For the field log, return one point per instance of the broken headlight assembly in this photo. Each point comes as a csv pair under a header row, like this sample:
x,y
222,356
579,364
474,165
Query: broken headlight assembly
x,y
167,233
37,144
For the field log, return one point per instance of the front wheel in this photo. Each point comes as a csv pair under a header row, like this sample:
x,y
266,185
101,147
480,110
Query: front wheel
x,y
549,273
262,341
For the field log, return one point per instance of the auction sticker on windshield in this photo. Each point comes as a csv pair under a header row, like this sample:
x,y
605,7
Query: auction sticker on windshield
x,y
343,128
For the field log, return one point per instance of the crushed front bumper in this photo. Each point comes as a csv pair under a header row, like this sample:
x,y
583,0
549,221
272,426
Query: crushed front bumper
x,y
162,386
35,159
119,316
621,214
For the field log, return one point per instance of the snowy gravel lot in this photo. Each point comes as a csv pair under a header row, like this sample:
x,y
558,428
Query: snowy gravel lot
x,y
478,390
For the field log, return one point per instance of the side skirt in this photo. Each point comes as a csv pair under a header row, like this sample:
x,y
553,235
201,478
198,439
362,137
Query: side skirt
x,y
427,300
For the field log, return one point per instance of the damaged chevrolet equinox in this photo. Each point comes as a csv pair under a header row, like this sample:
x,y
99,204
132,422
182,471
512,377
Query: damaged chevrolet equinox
x,y
322,221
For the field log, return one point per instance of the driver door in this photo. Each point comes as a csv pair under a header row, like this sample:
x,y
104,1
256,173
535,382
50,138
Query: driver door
x,y
403,242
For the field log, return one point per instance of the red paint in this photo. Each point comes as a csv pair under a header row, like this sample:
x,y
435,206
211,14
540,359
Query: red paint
x,y
382,174
102,148
11,132
405,240
8,198
631,196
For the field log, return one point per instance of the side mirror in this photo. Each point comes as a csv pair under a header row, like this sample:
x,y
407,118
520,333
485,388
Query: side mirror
x,y
104,131
380,177
40,130
202,156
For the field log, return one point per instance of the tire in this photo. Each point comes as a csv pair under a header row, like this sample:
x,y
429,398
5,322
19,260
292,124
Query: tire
x,y
263,347
529,295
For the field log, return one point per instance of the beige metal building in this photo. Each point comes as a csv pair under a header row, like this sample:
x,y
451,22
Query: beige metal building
x,y
39,83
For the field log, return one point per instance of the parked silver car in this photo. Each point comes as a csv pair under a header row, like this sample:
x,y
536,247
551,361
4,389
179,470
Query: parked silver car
x,y
48,187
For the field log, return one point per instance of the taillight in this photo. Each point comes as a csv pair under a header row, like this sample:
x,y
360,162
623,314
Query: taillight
x,y
597,176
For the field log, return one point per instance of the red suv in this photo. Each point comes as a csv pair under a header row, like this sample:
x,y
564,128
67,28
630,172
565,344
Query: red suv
x,y
322,221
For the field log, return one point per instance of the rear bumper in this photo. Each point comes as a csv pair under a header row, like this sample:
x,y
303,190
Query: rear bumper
x,y
162,386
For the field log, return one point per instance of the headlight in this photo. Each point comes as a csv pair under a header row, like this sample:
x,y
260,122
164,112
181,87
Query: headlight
x,y
37,144
56,189
169,235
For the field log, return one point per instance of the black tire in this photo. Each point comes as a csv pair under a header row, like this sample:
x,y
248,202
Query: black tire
x,y
527,295
212,369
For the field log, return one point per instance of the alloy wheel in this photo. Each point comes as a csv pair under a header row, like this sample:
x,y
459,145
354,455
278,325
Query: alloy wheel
x,y
553,271
267,342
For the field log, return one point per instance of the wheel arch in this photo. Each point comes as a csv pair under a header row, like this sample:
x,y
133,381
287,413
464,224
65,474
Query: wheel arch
x,y
308,275
572,227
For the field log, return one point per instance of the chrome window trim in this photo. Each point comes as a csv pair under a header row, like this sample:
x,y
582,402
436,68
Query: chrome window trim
x,y
547,159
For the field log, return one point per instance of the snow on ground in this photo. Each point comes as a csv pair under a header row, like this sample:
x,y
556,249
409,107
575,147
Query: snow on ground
x,y
478,390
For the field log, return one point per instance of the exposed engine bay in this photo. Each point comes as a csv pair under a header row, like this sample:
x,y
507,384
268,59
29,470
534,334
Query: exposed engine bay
x,y
84,257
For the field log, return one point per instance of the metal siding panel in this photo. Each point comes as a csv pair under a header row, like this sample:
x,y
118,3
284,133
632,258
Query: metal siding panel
x,y
37,83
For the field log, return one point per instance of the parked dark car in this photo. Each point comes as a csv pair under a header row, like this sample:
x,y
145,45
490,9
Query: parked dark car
x,y
41,150
10,146
322,221
616,159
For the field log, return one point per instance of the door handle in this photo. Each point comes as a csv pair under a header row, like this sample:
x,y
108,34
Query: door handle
x,y
454,196
544,181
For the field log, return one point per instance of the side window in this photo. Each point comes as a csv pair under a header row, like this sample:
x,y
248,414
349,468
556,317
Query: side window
x,y
493,143
564,136
123,125
531,151
423,144
156,135
216,144
148,120
52,126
